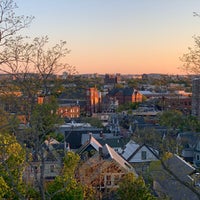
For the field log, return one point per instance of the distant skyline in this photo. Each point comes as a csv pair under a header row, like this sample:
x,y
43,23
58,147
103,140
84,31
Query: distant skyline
x,y
117,36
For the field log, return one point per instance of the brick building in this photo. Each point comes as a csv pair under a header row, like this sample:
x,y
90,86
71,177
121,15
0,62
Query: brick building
x,y
126,95
196,97
93,101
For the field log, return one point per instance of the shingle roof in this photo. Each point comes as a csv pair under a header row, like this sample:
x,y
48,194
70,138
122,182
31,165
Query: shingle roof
x,y
124,91
177,184
180,167
128,91
130,147
116,142
93,142
109,152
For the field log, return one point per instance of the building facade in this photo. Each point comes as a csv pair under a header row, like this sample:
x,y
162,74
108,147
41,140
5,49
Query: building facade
x,y
93,101
196,97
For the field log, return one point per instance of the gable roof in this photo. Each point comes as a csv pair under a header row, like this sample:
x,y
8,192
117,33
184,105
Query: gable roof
x,y
128,91
125,91
93,142
153,151
110,153
132,149
189,138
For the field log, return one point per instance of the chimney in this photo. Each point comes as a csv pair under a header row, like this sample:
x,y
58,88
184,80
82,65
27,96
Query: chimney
x,y
101,134
100,153
90,136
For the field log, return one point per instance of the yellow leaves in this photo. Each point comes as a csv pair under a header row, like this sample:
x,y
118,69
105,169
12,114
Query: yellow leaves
x,y
9,147
12,156
4,188
70,163
166,156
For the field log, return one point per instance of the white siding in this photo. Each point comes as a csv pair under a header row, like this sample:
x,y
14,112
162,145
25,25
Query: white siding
x,y
138,156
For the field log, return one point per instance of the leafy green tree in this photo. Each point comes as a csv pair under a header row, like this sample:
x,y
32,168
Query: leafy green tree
x,y
171,119
133,83
191,123
149,136
176,120
132,188
93,121
128,106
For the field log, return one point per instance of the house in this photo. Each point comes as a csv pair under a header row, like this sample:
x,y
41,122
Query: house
x,y
139,156
196,156
52,163
73,133
116,142
190,142
104,170
89,148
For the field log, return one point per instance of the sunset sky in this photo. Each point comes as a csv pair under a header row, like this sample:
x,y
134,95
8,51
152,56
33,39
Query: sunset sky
x,y
117,36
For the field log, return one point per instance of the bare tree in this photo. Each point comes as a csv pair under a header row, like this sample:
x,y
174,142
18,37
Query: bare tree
x,y
32,68
10,23
10,26
191,59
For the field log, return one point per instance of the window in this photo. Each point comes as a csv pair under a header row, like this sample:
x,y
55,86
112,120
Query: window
x,y
52,168
116,179
108,180
144,155
197,157
34,169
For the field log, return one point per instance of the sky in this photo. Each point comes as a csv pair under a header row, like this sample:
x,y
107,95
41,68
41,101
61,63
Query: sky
x,y
117,36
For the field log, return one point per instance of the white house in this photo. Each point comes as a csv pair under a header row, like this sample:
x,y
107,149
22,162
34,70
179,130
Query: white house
x,y
139,156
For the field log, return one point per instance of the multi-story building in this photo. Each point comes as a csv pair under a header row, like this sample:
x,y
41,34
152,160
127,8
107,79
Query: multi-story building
x,y
93,101
178,102
112,79
69,111
126,95
196,97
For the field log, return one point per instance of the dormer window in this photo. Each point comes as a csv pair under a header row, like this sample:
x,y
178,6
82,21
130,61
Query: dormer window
x,y
143,155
